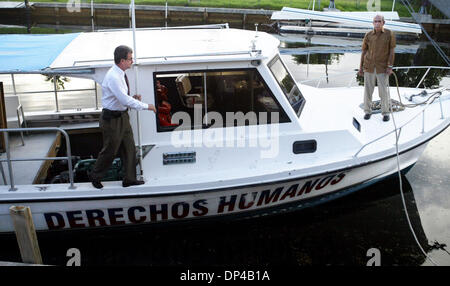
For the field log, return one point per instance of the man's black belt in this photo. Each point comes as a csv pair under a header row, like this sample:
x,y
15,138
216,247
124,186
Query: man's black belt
x,y
108,114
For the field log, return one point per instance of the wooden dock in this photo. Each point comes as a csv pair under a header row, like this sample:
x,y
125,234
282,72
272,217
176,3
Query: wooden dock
x,y
118,16
105,16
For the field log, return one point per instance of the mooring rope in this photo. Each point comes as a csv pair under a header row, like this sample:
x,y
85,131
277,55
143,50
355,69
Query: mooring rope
x,y
400,179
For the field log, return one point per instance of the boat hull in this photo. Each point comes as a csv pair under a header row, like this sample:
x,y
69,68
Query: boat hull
x,y
242,201
357,33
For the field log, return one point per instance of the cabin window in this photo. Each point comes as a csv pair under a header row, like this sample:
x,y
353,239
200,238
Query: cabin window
x,y
233,98
287,84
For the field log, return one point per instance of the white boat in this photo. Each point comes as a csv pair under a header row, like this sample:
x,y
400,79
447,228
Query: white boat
x,y
288,13
256,143
325,44
352,24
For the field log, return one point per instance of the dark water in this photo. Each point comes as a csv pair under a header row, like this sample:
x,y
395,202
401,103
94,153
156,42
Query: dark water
x,y
340,232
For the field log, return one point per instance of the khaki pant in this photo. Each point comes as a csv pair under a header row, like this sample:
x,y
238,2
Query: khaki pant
x,y
117,140
369,85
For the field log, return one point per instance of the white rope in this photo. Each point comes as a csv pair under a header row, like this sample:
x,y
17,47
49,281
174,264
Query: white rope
x,y
401,183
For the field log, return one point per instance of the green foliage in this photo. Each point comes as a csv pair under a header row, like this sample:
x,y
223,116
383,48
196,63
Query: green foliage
x,y
60,80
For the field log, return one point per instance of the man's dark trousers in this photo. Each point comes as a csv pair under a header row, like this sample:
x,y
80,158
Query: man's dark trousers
x,y
117,138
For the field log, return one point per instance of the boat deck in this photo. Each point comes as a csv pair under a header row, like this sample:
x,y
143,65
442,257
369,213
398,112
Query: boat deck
x,y
36,145
343,108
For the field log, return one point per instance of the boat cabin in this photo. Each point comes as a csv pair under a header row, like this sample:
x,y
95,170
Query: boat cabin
x,y
215,91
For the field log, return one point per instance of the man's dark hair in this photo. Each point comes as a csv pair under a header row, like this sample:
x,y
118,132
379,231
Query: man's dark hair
x,y
121,52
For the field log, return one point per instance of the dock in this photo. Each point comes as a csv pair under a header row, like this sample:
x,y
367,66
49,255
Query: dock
x,y
105,16
101,16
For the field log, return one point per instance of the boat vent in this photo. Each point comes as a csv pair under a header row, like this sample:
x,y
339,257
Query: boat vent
x,y
179,158
305,146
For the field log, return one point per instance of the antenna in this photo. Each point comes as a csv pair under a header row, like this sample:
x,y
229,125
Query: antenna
x,y
133,22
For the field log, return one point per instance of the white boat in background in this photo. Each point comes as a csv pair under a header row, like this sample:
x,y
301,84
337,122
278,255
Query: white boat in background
x,y
329,44
254,143
354,24
287,13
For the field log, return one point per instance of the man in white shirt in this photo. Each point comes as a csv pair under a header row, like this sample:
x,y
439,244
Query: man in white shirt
x,y
115,122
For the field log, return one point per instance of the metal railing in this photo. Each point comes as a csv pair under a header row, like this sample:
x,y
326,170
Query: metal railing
x,y
400,128
320,79
9,160
55,91
421,67
211,26
253,54
21,121
422,112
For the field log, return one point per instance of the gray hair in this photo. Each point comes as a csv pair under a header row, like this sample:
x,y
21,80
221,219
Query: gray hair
x,y
121,52
381,16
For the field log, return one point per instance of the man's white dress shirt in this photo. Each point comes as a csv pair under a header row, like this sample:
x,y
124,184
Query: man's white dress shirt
x,y
115,92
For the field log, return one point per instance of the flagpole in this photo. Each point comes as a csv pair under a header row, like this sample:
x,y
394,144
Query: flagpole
x,y
133,25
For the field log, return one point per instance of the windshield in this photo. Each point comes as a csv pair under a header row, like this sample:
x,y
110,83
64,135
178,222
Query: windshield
x,y
287,84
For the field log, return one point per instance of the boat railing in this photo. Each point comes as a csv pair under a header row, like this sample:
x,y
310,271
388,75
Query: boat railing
x,y
253,53
8,159
422,111
55,91
428,68
320,79
211,26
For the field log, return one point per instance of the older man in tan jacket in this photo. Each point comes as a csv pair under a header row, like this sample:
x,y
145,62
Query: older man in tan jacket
x,y
377,60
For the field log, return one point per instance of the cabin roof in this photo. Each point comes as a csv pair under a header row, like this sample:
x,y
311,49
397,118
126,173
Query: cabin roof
x,y
160,46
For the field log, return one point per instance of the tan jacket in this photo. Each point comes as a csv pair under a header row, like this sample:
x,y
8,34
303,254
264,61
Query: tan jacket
x,y
378,46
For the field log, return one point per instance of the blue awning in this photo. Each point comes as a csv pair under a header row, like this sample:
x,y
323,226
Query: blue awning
x,y
31,53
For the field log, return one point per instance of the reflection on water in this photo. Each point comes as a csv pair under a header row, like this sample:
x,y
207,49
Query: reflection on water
x,y
431,184
331,63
